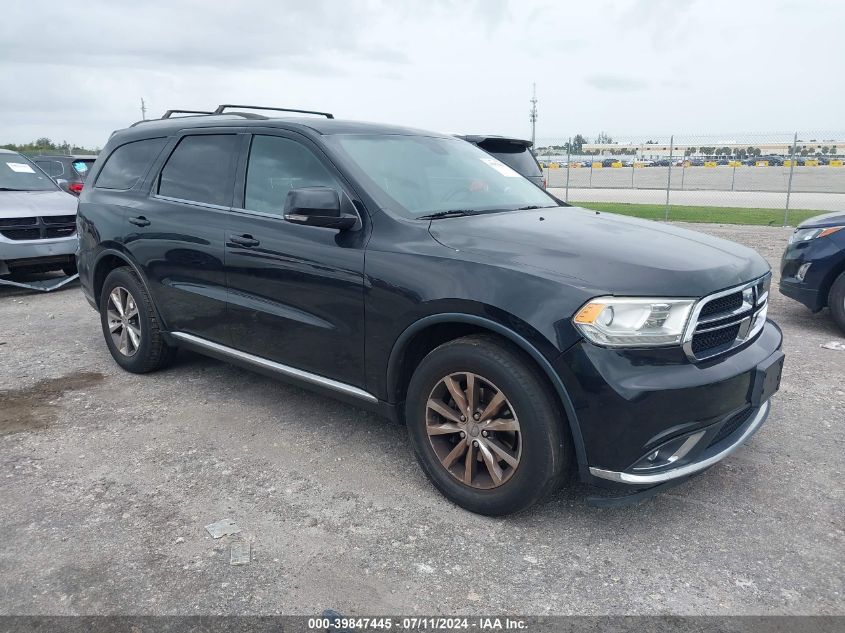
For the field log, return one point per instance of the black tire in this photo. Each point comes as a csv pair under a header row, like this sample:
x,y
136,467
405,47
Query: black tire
x,y
69,269
836,301
546,452
152,352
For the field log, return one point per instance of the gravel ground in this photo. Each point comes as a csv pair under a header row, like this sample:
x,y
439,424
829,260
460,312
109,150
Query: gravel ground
x,y
108,479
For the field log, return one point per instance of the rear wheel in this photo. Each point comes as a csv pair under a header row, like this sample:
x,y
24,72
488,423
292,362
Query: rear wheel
x,y
836,301
485,426
130,326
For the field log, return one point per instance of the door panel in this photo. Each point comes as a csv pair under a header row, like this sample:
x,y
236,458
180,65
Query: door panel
x,y
176,234
297,296
180,252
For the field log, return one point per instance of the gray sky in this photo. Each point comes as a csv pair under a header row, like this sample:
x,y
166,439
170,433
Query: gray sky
x,y
77,71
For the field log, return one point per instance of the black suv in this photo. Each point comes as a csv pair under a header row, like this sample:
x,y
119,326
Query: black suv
x,y
519,339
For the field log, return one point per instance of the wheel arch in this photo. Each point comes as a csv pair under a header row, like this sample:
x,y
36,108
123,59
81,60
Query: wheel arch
x,y
829,279
455,325
110,259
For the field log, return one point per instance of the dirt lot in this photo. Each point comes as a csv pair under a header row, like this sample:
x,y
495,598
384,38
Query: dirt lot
x,y
108,479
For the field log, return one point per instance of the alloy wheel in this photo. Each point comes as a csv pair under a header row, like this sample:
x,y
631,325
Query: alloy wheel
x,y
124,321
473,430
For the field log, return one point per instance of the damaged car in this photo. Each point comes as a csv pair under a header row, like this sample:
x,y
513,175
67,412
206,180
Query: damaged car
x,y
37,224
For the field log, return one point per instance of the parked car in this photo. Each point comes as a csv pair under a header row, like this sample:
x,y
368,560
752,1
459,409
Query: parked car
x,y
813,265
37,220
513,152
69,172
520,340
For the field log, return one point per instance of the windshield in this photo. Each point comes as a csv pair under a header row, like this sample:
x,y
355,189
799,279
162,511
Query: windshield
x,y
19,174
422,175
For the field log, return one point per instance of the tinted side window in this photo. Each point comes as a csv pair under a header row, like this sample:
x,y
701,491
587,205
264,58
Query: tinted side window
x,y
201,169
277,165
52,167
125,166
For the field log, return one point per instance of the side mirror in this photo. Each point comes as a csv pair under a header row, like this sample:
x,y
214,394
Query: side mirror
x,y
317,206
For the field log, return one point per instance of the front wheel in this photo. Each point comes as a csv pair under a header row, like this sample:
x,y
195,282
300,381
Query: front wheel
x,y
486,427
836,301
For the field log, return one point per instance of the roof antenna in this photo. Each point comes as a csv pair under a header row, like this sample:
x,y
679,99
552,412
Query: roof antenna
x,y
143,110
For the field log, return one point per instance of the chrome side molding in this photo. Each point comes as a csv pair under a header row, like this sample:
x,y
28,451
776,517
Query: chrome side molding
x,y
282,370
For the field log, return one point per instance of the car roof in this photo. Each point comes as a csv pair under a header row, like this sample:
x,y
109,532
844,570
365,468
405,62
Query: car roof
x,y
312,125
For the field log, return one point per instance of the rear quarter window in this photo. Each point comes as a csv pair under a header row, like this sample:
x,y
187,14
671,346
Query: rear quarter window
x,y
82,167
128,163
519,158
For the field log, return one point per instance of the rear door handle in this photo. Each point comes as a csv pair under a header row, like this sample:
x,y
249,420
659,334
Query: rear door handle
x,y
139,221
244,240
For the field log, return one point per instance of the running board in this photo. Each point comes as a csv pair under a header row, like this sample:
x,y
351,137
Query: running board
x,y
283,370
44,285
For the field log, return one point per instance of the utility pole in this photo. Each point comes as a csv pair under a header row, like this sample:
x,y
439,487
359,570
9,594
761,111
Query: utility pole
x,y
533,116
143,110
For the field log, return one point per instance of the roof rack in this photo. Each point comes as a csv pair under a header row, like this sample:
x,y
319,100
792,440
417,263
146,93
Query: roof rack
x,y
170,113
223,107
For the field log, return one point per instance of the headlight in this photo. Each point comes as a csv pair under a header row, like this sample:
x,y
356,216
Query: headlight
x,y
633,322
805,235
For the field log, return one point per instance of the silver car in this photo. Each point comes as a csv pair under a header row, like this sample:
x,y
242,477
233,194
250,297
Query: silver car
x,y
37,220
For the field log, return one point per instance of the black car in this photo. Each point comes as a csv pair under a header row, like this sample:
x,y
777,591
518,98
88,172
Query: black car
x,y
69,172
513,152
519,339
813,265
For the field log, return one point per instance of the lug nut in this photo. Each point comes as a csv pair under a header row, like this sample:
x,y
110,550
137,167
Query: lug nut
x,y
475,443
484,433
463,419
463,434
476,416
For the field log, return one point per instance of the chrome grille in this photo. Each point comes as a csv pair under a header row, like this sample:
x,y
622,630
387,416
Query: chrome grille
x,y
727,319
38,228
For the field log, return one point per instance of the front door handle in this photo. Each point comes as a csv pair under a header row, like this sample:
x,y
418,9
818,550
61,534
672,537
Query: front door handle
x,y
244,240
139,221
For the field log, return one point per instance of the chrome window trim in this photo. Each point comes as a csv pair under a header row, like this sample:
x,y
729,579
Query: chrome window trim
x,y
279,368
757,305
689,469
195,203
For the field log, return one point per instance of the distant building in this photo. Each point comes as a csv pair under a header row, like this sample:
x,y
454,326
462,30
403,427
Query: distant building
x,y
661,150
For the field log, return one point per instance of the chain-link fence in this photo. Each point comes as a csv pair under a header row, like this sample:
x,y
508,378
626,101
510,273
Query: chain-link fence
x,y
798,172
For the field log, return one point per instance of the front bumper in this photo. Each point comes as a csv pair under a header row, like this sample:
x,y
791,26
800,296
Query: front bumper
x,y
807,268
16,251
711,455
632,403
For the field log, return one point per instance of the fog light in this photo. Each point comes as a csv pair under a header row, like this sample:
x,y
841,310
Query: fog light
x,y
802,272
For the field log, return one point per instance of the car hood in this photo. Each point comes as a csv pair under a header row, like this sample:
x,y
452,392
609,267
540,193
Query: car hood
x,y
837,218
22,204
603,253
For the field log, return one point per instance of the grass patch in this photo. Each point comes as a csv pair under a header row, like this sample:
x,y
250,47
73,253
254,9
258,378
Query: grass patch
x,y
715,215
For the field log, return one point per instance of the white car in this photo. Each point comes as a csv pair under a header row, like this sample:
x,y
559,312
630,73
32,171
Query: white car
x,y
37,220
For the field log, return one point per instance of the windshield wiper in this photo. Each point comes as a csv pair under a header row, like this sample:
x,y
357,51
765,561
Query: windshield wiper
x,y
453,213
532,206
11,189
